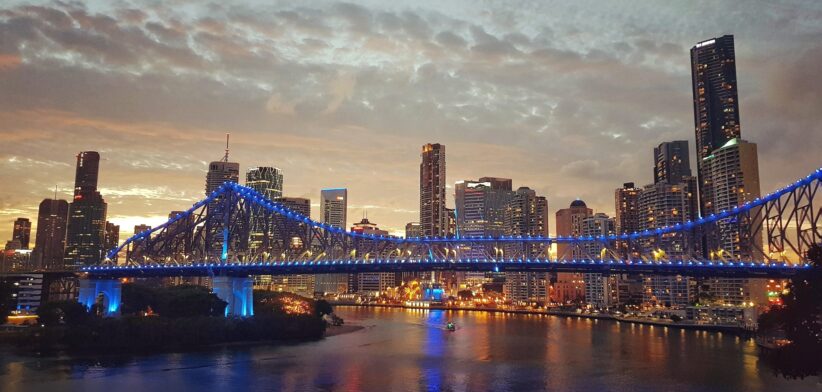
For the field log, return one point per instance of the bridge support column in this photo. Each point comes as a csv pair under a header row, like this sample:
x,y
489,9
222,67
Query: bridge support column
x,y
105,292
238,292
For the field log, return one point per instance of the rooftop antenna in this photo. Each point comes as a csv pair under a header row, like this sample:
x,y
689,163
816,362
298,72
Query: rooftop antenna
x,y
225,158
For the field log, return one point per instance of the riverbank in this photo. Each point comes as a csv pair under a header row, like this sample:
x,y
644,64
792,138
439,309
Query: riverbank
x,y
558,313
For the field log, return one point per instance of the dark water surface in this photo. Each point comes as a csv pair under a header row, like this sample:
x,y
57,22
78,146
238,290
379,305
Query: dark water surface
x,y
410,350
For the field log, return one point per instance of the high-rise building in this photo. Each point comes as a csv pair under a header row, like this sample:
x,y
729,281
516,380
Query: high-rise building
x,y
433,219
569,223
333,210
716,107
526,214
570,287
22,232
601,291
112,238
664,204
141,228
626,200
480,209
412,230
85,232
735,178
266,180
289,241
220,172
334,206
671,162
734,170
371,283
668,291
670,200
50,243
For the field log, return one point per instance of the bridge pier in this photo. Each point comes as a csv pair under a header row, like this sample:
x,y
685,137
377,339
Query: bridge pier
x,y
238,292
109,289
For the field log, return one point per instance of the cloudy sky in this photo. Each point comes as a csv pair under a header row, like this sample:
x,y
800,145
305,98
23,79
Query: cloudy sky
x,y
566,97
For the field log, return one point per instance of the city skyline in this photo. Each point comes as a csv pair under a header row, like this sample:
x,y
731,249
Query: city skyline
x,y
147,178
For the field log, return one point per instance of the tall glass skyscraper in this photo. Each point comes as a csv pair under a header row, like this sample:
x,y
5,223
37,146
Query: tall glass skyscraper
x,y
266,180
85,234
716,107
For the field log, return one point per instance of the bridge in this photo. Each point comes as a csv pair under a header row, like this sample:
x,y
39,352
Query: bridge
x,y
236,232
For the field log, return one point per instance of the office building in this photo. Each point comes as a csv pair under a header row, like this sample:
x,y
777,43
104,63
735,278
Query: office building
x,y
601,291
50,243
334,206
22,232
266,180
112,238
85,232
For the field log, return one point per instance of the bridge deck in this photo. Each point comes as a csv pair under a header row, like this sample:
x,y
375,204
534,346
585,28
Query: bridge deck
x,y
685,268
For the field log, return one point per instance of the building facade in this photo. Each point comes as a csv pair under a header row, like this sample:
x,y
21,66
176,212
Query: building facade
x,y
334,206
86,226
433,219
50,243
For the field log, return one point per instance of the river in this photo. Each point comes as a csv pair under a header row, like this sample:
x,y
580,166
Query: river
x,y
410,350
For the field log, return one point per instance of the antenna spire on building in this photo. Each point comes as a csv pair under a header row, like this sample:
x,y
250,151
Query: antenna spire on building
x,y
225,158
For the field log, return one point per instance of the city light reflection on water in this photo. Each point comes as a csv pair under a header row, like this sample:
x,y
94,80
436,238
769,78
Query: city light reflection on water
x,y
411,350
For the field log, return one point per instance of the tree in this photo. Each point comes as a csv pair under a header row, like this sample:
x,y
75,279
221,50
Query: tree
x,y
322,307
465,295
800,318
7,299
62,313
137,298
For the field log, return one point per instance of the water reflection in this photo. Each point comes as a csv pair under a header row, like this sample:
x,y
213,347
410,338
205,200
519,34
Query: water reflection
x,y
410,350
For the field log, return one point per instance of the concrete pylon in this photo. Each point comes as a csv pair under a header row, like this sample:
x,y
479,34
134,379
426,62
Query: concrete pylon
x,y
238,292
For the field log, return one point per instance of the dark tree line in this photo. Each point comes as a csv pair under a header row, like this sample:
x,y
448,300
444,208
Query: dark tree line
x,y
800,319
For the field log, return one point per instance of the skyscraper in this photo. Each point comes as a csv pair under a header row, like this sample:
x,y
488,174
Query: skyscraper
x,y
433,219
601,291
480,209
22,232
671,162
570,287
85,233
735,180
51,233
716,106
526,214
220,172
334,206
266,180
141,228
626,200
112,237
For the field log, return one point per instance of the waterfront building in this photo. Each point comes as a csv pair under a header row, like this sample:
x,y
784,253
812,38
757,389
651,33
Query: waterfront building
x,y
570,287
371,283
526,214
601,291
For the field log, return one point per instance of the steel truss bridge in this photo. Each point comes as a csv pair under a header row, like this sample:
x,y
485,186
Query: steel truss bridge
x,y
236,231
